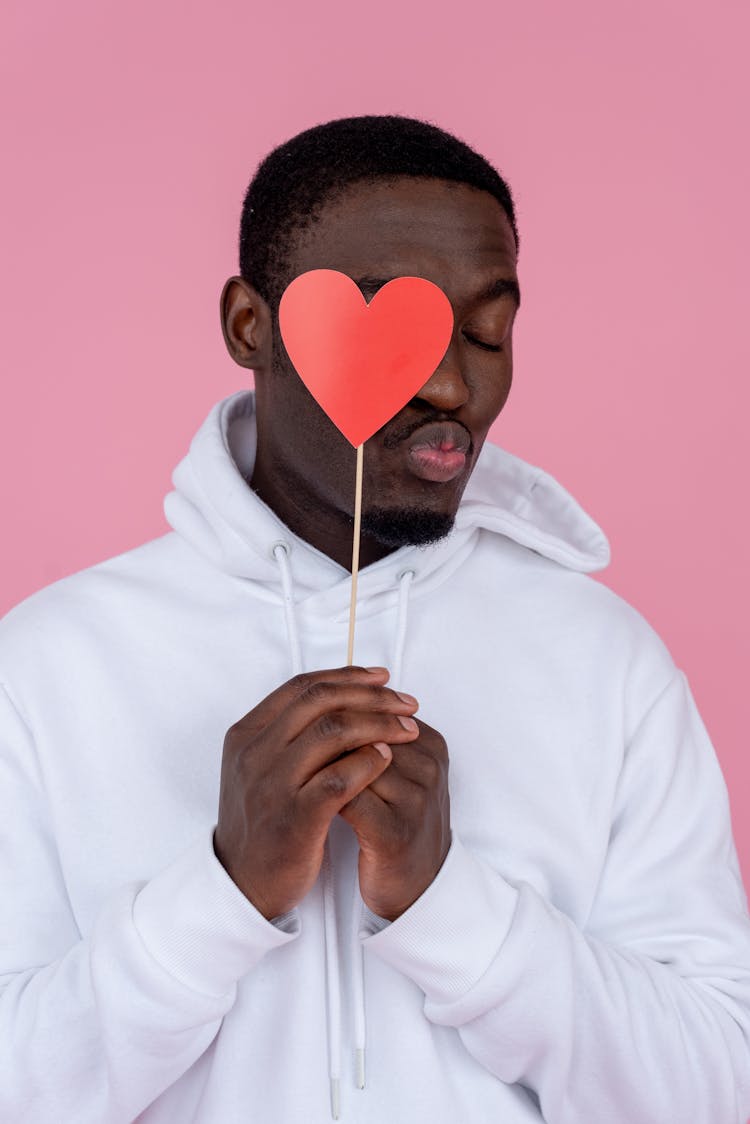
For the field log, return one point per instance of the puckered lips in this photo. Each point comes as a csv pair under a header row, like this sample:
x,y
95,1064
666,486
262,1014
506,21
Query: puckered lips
x,y
438,450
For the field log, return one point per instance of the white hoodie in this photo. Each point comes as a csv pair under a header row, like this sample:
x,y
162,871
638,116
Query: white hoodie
x,y
583,956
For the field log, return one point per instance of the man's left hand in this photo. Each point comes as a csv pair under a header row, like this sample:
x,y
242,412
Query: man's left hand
x,y
402,822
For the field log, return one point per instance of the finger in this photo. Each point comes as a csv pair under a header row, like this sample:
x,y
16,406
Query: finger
x,y
433,741
340,732
417,764
273,705
367,807
322,698
336,785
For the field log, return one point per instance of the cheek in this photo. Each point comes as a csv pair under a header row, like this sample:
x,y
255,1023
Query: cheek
x,y
506,383
326,453
307,440
489,383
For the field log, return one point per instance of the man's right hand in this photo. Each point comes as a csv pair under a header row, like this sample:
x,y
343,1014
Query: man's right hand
x,y
290,765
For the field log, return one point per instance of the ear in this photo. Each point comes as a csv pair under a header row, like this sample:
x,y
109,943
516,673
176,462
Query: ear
x,y
246,324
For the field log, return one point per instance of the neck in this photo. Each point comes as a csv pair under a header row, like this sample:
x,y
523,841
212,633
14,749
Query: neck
x,y
328,530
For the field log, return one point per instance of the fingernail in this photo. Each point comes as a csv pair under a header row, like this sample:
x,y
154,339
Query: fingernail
x,y
407,698
383,749
376,670
408,723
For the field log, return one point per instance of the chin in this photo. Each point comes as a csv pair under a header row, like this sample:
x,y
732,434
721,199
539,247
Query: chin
x,y
406,526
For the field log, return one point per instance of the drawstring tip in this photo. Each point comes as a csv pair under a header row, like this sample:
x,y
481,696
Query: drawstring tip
x,y
335,1098
360,1064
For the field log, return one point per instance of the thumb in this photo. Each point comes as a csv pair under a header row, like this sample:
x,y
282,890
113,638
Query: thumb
x,y
343,780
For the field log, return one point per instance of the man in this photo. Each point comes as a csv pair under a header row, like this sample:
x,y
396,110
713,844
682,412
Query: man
x,y
555,929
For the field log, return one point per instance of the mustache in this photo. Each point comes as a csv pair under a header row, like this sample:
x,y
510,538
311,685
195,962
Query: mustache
x,y
392,437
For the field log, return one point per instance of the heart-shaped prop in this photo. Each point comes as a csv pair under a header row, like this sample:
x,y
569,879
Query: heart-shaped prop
x,y
363,362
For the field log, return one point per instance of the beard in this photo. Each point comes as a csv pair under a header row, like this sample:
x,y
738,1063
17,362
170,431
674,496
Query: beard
x,y
406,526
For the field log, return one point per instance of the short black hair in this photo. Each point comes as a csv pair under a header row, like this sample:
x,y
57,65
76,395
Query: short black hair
x,y
295,181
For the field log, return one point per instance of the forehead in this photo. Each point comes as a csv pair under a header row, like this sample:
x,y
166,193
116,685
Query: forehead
x,y
450,233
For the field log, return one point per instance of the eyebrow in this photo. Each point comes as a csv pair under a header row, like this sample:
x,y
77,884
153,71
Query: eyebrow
x,y
500,287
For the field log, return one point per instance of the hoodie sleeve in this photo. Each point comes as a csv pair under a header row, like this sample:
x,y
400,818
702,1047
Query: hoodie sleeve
x,y
95,1029
642,1016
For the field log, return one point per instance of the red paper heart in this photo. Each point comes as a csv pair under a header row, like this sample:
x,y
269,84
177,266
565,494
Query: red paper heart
x,y
363,362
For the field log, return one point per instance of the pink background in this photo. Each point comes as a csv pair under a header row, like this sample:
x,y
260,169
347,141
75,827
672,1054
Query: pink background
x,y
130,133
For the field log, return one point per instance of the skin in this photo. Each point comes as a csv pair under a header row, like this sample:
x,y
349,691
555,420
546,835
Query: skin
x,y
340,741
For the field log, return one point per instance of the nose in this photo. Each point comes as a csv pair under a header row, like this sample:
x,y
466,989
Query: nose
x,y
445,389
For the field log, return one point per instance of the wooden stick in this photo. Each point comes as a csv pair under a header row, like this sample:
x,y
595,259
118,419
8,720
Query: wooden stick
x,y
355,552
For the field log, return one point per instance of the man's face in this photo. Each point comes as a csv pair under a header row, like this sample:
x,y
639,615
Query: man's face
x,y
417,466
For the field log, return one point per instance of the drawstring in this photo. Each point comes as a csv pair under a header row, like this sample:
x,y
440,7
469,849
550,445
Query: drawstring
x,y
281,554
405,579
333,983
358,988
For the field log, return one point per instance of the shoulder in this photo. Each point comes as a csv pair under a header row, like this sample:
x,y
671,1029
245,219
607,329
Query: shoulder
x,y
52,620
572,615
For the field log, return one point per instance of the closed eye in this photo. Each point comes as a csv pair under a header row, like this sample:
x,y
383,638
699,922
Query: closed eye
x,y
482,344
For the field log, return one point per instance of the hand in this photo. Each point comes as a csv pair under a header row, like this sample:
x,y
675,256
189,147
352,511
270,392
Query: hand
x,y
290,765
402,822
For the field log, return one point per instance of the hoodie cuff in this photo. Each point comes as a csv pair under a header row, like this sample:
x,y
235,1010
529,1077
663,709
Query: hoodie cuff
x,y
196,922
448,938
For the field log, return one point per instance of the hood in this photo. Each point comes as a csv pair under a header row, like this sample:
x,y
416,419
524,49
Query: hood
x,y
213,508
